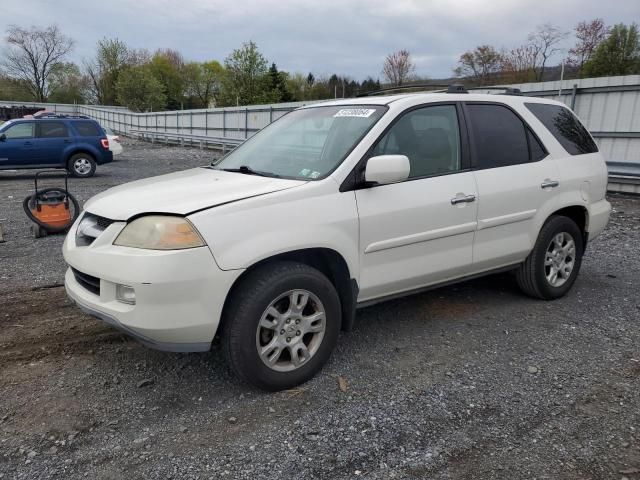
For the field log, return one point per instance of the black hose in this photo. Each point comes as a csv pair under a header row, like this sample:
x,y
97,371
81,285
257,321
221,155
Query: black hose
x,y
30,202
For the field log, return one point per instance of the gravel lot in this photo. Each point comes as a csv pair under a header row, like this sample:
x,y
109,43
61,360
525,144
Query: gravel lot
x,y
465,382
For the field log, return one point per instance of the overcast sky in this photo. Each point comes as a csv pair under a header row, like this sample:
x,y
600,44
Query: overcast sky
x,y
348,37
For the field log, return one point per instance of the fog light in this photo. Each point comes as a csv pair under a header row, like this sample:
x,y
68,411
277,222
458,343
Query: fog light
x,y
125,294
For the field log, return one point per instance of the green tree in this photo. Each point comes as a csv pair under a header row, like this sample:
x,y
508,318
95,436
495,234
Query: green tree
x,y
68,85
299,87
278,85
112,57
202,83
369,85
246,82
13,89
618,54
166,66
139,90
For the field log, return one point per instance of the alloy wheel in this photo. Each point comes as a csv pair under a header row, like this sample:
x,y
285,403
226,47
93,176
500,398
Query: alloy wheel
x,y
560,259
82,166
291,330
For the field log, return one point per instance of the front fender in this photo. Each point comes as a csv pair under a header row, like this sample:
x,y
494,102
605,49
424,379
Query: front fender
x,y
243,233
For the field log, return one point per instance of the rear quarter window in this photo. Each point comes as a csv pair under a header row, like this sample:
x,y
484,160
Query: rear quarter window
x,y
565,127
87,129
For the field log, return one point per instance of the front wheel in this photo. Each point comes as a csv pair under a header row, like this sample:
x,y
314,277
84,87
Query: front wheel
x,y
553,265
280,325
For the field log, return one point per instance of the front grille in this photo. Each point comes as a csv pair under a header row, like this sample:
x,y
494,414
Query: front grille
x,y
87,281
91,227
103,223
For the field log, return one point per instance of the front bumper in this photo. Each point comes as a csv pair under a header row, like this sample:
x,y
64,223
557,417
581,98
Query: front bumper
x,y
179,293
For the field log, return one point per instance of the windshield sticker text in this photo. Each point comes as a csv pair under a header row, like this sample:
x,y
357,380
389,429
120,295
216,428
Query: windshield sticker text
x,y
355,112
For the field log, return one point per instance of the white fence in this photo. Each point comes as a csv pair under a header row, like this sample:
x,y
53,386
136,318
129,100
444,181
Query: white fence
x,y
609,106
233,122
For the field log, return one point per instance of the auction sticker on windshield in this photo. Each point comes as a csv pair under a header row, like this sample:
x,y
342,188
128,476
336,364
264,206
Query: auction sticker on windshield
x,y
355,112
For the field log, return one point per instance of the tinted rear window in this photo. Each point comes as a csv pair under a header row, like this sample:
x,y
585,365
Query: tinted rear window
x,y
499,136
535,147
88,129
52,130
565,127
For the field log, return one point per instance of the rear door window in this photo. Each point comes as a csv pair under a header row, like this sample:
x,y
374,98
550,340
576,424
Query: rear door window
x,y
20,130
87,129
499,136
535,147
565,127
52,130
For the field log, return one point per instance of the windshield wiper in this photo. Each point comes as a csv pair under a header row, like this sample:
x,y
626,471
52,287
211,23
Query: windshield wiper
x,y
249,171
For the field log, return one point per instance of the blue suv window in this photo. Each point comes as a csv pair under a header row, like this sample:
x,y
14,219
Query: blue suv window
x,y
20,130
52,130
87,129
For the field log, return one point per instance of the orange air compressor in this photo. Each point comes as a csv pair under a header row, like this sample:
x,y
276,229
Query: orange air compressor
x,y
52,210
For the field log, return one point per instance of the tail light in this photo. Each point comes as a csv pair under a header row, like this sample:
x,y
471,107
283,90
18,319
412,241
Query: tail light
x,y
105,143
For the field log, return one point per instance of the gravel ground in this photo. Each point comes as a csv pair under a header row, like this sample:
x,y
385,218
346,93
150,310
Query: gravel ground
x,y
465,382
26,262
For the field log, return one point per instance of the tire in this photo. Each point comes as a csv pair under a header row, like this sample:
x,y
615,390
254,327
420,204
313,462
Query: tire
x,y
535,275
81,165
248,310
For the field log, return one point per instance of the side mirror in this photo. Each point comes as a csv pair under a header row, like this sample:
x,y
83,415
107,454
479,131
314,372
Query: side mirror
x,y
385,169
3,137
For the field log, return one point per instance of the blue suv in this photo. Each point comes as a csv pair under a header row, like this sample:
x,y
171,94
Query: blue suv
x,y
75,143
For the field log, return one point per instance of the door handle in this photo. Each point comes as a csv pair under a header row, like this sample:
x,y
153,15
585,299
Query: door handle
x,y
549,183
27,144
463,199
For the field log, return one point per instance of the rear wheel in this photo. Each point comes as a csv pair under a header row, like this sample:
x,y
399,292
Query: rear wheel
x,y
553,265
81,165
281,325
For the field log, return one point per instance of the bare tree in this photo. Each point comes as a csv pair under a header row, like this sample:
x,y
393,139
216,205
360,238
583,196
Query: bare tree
x,y
519,64
398,67
588,35
174,57
545,42
479,64
32,54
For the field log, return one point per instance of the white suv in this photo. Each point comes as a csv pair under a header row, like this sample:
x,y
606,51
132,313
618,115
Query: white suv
x,y
336,206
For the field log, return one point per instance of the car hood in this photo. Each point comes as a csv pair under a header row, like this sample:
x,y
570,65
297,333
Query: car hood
x,y
182,193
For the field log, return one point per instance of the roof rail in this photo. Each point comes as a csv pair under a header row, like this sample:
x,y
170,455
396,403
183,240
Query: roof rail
x,y
46,115
440,88
506,90
424,86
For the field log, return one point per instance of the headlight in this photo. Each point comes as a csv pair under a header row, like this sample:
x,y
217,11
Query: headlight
x,y
158,232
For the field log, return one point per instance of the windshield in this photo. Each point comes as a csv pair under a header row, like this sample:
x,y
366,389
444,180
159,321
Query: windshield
x,y
305,144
